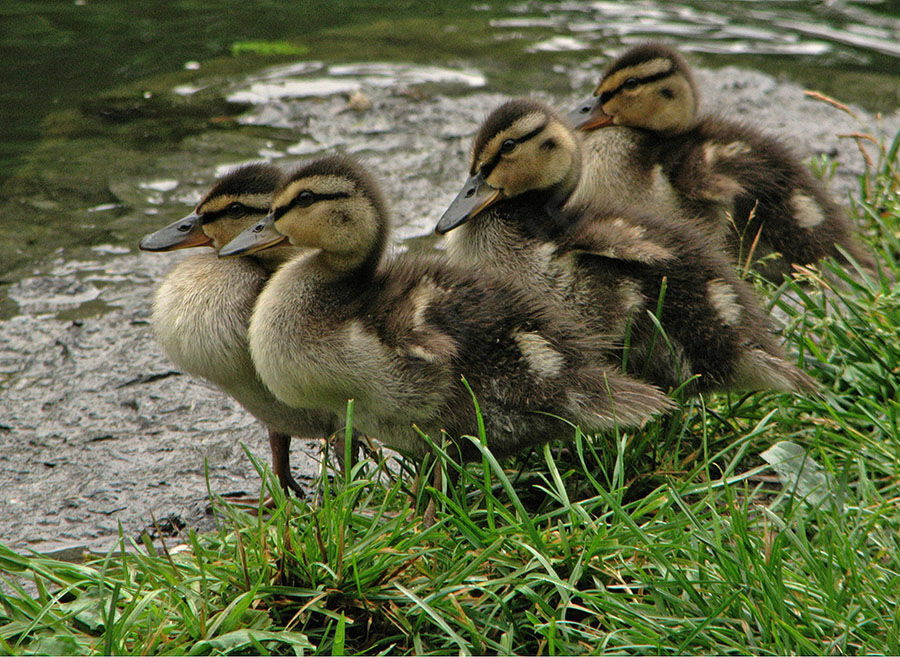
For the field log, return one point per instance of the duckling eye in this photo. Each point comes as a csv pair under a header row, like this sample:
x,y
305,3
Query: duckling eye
x,y
305,198
631,83
236,209
508,145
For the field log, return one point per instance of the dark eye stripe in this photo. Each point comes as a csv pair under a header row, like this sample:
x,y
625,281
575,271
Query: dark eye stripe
x,y
489,166
606,96
209,217
279,212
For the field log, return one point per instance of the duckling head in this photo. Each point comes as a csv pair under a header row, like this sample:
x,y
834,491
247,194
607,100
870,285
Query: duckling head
x,y
650,87
237,200
523,147
330,204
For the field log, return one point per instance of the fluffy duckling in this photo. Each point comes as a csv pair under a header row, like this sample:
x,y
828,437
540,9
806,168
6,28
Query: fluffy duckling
x,y
201,310
738,181
397,337
616,269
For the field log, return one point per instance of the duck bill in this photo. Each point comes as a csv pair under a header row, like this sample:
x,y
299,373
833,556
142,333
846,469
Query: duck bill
x,y
590,116
261,235
182,234
475,196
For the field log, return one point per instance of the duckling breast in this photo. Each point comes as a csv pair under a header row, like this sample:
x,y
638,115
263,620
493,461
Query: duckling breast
x,y
201,311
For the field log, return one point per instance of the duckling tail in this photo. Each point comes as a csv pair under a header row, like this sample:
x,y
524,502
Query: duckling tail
x,y
760,370
603,398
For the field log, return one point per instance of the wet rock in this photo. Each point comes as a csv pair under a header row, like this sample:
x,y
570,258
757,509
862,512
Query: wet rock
x,y
44,294
358,102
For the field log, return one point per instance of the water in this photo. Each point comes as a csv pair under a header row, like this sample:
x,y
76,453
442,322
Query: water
x,y
99,99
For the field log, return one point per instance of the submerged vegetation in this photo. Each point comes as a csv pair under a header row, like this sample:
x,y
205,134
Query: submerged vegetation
x,y
679,538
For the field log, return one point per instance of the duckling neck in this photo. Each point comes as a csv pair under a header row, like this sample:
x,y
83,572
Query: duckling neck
x,y
541,201
535,214
560,194
553,199
338,268
272,259
677,123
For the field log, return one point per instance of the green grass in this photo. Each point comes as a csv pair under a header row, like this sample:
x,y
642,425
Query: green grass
x,y
678,538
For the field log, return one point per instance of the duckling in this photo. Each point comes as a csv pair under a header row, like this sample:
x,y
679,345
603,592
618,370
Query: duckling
x,y
739,182
398,337
201,310
618,270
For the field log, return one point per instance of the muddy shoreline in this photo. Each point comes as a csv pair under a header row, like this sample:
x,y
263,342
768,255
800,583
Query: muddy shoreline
x,y
98,429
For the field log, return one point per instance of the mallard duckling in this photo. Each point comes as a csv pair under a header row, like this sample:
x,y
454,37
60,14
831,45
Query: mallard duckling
x,y
398,337
201,310
616,269
740,182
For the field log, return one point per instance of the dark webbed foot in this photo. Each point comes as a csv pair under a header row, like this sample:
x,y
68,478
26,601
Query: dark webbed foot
x,y
280,444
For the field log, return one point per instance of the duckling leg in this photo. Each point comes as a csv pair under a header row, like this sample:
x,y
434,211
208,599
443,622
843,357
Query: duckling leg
x,y
338,447
280,444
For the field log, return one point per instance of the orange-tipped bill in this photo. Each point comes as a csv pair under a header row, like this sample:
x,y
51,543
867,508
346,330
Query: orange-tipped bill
x,y
475,196
182,234
590,116
261,235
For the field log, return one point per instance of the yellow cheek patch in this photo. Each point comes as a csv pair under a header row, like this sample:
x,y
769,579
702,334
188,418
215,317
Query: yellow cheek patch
x,y
321,184
639,71
521,127
222,231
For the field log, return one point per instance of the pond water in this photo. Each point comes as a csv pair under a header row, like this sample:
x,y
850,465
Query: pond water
x,y
94,94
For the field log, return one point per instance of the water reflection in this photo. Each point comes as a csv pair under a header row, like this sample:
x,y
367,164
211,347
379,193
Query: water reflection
x,y
750,27
347,78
